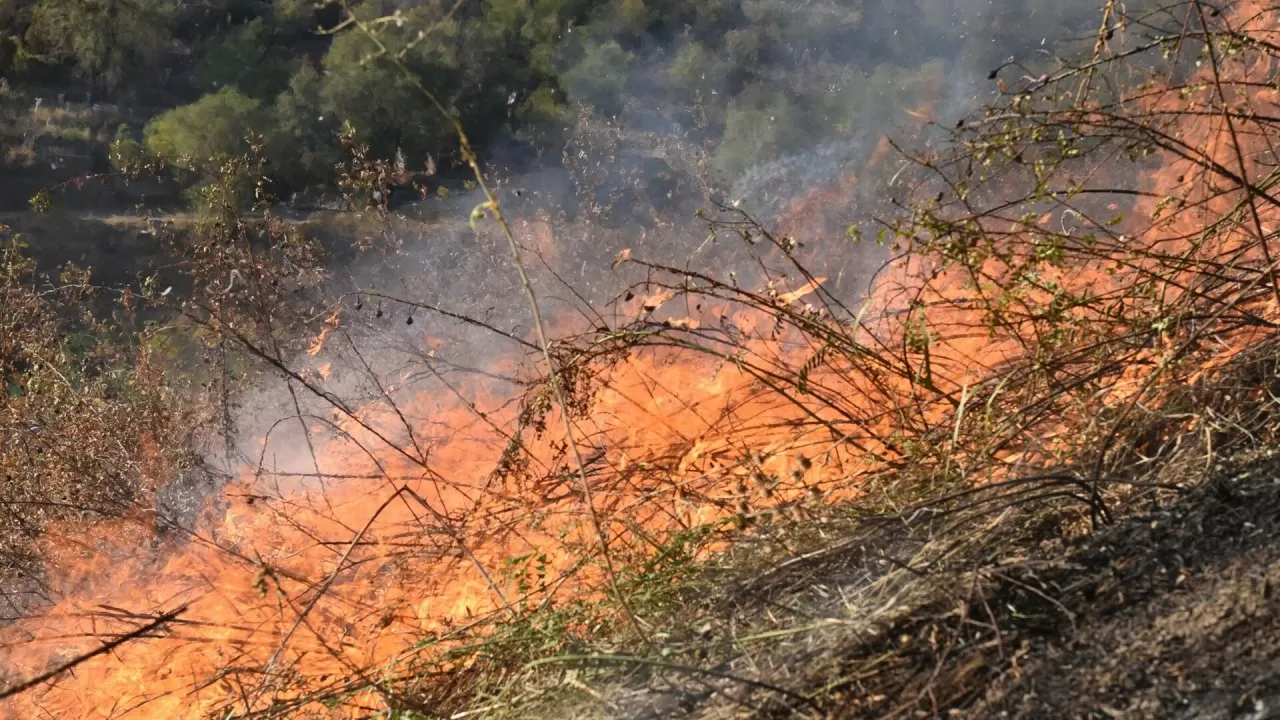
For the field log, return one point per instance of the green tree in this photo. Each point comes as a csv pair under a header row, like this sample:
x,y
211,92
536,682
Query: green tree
x,y
826,24
697,69
298,12
745,46
105,41
762,123
216,124
302,143
385,107
623,18
14,18
512,54
600,77
247,58
711,17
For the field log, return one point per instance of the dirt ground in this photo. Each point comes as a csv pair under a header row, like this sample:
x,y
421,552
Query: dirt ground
x,y
1176,615
1170,612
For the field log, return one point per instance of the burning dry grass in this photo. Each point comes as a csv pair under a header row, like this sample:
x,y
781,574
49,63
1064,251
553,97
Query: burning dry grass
x,y
1079,313
991,601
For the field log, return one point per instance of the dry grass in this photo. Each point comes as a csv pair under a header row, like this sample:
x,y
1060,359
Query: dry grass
x,y
972,606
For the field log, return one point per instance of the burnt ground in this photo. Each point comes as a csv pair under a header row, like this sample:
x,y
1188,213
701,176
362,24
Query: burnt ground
x,y
1176,615
1172,611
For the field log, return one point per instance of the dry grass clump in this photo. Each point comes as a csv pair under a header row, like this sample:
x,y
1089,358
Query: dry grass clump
x,y
969,605
89,427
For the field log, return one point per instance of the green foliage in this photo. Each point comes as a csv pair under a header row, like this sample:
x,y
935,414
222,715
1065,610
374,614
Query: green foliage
x,y
11,55
544,117
697,69
826,23
877,99
41,202
216,124
127,154
105,41
745,46
517,68
762,123
625,18
600,77
545,104
301,144
247,59
509,29
386,108
296,12
711,15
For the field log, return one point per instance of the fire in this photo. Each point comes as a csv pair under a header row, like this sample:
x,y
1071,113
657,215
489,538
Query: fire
x,y
330,323
403,549
323,582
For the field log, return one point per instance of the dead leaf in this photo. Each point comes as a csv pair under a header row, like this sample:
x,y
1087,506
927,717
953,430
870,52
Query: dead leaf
x,y
683,323
653,302
623,256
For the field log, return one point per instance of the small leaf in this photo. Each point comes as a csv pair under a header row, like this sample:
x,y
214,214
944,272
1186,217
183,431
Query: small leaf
x,y
41,202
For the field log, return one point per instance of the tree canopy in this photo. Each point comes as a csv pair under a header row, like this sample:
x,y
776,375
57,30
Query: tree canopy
x,y
102,41
747,80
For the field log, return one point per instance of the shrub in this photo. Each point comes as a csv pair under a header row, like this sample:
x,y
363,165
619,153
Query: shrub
x,y
246,59
217,124
105,41
761,124
600,77
88,429
126,154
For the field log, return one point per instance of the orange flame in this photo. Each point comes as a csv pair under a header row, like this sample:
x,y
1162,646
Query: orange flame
x,y
330,323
